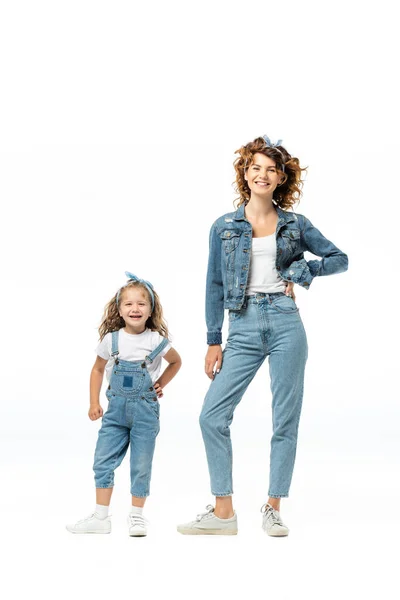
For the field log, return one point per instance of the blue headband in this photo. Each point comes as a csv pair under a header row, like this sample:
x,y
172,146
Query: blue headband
x,y
132,277
274,146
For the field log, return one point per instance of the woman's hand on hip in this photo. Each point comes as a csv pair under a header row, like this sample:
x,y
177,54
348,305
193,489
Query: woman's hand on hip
x,y
213,360
289,290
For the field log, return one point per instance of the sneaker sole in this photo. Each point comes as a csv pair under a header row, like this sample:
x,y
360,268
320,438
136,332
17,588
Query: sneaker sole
x,y
207,531
277,534
137,534
88,532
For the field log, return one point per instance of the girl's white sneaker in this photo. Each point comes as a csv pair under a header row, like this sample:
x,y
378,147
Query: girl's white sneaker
x,y
272,522
92,524
137,525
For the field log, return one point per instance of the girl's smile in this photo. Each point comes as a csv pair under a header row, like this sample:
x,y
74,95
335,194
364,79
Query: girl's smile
x,y
135,309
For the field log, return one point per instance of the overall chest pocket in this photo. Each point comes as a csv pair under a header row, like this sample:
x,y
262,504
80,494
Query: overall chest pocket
x,y
126,381
230,240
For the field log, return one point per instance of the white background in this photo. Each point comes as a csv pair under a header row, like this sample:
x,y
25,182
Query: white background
x,y
119,122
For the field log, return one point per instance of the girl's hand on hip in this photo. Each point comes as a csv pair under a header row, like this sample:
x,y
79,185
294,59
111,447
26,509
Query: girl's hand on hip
x,y
95,412
213,359
158,390
289,290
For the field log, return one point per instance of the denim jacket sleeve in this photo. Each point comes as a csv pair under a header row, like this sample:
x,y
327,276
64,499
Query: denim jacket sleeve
x,y
214,290
333,259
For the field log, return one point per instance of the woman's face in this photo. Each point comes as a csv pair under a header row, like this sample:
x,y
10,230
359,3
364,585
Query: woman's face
x,y
262,176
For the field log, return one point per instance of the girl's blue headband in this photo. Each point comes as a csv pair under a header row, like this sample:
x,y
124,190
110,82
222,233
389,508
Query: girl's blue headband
x,y
132,277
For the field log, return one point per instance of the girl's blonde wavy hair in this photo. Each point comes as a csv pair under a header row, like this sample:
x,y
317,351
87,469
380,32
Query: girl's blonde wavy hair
x,y
112,321
286,194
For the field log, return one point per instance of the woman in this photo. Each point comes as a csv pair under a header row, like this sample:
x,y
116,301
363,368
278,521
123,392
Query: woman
x,y
256,257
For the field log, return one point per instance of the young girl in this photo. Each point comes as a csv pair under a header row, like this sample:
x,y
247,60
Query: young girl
x,y
133,339
256,257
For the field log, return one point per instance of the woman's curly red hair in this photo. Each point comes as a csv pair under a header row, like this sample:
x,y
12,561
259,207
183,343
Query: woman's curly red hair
x,y
289,192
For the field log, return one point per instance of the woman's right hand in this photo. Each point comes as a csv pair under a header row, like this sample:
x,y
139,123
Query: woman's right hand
x,y
95,412
213,359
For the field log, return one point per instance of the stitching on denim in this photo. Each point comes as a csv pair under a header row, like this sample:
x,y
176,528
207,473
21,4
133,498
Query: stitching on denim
x,y
278,495
286,312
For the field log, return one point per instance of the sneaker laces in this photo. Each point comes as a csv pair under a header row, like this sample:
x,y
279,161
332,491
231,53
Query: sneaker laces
x,y
210,510
93,515
271,515
137,520
86,519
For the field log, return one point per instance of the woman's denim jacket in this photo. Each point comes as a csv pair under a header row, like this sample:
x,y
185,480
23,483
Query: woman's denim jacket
x,y
229,261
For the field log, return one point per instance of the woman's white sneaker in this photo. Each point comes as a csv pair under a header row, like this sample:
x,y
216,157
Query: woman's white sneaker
x,y
137,525
209,524
272,522
92,524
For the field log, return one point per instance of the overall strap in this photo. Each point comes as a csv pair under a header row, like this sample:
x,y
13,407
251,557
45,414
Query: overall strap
x,y
114,345
157,350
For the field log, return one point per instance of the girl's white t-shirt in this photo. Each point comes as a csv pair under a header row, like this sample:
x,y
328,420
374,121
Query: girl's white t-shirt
x,y
132,347
263,276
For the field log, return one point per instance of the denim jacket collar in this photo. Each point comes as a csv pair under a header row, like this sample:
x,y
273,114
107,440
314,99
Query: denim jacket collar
x,y
283,216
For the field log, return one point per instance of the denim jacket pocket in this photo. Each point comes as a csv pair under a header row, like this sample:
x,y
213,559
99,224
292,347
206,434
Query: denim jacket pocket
x,y
230,240
291,239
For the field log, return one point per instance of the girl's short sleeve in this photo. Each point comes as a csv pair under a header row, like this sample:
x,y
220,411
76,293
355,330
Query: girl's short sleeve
x,y
104,348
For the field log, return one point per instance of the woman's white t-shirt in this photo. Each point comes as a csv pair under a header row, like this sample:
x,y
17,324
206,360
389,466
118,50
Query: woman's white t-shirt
x,y
263,276
134,346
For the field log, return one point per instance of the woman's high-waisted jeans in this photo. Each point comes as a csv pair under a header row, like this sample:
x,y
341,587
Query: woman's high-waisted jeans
x,y
267,325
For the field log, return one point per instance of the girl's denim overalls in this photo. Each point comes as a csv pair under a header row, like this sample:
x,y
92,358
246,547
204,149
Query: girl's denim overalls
x,y
132,417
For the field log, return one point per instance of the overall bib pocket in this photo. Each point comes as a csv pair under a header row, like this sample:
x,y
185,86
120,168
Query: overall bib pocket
x,y
126,381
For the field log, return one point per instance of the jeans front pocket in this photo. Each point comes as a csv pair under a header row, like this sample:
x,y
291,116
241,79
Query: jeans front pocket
x,y
285,304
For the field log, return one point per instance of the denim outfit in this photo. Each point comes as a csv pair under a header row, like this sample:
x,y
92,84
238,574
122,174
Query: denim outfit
x,y
260,325
132,417
229,261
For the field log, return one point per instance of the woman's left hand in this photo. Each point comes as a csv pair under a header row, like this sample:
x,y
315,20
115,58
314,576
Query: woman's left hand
x,y
289,290
158,390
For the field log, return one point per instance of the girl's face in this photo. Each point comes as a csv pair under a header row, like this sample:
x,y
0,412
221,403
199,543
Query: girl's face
x,y
135,308
262,176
